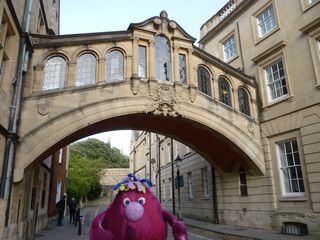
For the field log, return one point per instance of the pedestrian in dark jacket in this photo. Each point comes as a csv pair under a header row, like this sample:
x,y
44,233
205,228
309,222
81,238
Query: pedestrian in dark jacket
x,y
72,210
61,205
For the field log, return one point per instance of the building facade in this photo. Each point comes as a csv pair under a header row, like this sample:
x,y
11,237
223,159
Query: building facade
x,y
18,19
277,42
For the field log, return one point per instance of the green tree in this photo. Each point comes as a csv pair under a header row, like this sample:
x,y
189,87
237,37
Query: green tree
x,y
88,159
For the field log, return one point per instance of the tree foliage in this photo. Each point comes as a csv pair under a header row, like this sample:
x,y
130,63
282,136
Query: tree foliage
x,y
88,159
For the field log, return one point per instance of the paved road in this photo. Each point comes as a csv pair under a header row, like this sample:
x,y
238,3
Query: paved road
x,y
194,234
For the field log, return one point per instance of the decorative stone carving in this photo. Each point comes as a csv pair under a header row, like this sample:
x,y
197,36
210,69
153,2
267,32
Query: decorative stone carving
x,y
250,128
43,109
163,100
135,84
193,93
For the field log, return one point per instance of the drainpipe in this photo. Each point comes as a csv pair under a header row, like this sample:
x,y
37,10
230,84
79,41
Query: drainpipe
x,y
240,48
172,177
150,172
159,167
6,183
214,196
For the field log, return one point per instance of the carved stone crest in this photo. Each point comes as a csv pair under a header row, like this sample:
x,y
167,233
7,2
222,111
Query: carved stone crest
x,y
193,93
163,100
135,84
43,109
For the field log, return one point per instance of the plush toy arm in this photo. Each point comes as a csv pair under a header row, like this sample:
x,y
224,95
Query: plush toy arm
x,y
97,232
178,228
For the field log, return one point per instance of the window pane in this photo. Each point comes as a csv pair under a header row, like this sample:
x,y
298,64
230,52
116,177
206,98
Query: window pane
x,y
163,58
115,66
224,91
266,21
243,99
276,80
54,73
86,70
291,172
182,69
142,62
229,48
204,81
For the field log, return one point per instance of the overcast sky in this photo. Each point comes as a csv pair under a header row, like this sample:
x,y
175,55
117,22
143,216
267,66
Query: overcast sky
x,y
84,16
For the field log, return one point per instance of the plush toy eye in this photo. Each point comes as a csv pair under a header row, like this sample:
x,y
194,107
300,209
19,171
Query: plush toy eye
x,y
142,200
126,201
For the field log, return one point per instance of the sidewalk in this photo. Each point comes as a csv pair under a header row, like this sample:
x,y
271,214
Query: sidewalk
x,y
67,231
244,232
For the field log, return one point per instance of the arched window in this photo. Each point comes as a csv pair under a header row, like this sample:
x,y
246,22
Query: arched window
x,y
163,58
224,91
243,99
204,82
115,65
54,73
86,70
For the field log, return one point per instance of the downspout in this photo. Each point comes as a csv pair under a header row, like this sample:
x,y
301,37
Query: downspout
x,y
159,168
214,196
172,177
150,176
240,48
6,183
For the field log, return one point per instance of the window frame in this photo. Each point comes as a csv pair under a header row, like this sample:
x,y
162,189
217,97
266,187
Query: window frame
x,y
275,81
165,71
231,46
243,186
144,63
221,91
208,82
272,18
110,78
94,67
183,69
62,81
284,192
248,113
190,186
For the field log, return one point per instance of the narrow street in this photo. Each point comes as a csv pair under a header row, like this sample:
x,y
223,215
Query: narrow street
x,y
70,232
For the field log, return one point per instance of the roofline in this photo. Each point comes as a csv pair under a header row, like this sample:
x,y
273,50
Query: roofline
x,y
221,25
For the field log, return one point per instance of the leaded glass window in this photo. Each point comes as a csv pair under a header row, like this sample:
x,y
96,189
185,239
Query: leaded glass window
x,y
54,73
86,70
142,62
115,66
163,58
243,99
204,82
182,69
290,168
266,21
276,80
224,91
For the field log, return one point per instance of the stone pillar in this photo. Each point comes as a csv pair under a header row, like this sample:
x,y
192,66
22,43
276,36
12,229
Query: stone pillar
x,y
71,75
135,56
190,78
175,65
152,58
37,83
101,79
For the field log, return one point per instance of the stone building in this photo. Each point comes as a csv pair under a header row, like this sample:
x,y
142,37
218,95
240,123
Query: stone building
x,y
277,42
18,19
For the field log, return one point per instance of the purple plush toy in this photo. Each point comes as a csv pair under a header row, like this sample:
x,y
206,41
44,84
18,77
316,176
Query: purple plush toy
x,y
135,214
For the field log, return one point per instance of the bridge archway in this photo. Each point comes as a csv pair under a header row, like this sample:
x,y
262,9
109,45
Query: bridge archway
x,y
223,138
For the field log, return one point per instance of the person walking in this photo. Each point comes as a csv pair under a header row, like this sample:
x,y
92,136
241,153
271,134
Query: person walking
x,y
61,205
72,210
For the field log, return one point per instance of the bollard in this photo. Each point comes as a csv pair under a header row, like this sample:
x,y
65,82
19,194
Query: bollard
x,y
80,225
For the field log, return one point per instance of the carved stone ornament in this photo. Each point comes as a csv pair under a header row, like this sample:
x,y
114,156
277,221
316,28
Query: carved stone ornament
x,y
193,93
250,128
43,109
163,100
135,84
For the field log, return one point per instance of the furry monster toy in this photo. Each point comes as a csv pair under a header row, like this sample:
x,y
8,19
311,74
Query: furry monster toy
x,y
135,214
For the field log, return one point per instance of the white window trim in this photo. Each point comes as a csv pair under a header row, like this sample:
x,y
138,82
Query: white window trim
x,y
228,48
283,192
260,34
